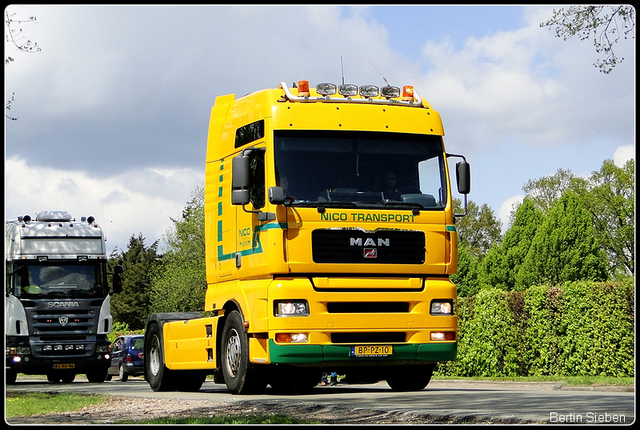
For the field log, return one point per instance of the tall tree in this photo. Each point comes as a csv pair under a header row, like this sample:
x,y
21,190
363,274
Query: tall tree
x,y
605,25
179,284
132,305
544,192
611,201
479,229
564,247
499,267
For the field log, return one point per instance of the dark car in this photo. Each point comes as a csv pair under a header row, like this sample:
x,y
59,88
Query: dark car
x,y
126,357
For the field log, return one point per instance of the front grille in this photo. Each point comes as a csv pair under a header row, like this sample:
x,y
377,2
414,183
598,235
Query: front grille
x,y
367,307
381,337
360,247
69,321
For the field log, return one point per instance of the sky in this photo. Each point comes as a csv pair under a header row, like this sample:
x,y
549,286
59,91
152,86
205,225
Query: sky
x,y
113,111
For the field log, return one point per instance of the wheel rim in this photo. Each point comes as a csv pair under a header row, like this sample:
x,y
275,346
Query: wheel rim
x,y
154,356
233,352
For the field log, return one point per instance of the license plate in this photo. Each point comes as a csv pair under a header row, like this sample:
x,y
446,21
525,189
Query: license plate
x,y
64,366
371,350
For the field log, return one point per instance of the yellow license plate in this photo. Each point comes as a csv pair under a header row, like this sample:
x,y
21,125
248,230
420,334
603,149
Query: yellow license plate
x,y
371,350
64,366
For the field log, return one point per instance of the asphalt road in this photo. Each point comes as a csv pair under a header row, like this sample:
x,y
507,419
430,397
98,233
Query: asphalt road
x,y
540,402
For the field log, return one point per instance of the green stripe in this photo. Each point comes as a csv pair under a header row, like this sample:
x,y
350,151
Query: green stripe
x,y
424,352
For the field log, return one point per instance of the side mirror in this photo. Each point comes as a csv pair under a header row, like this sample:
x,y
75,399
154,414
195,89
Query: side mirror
x,y
240,180
117,279
463,176
276,195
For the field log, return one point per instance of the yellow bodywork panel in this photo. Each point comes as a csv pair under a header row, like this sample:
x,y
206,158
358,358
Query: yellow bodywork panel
x,y
190,344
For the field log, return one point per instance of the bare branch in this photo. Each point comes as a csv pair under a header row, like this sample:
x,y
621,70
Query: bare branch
x,y
604,26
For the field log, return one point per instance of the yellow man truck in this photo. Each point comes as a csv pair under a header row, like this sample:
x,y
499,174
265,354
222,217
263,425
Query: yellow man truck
x,y
330,239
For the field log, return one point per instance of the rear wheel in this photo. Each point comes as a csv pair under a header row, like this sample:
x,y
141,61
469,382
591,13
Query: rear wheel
x,y
240,376
411,378
122,375
159,377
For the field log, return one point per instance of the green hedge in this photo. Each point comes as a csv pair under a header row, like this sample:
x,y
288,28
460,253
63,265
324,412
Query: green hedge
x,y
580,328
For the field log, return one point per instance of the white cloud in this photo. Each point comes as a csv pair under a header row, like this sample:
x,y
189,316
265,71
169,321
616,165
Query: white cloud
x,y
506,208
139,201
624,154
118,101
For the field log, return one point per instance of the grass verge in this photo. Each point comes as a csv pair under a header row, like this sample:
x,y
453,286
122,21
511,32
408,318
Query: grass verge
x,y
20,403
566,380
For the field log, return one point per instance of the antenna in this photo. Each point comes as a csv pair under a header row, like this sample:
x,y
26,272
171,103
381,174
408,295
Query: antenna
x,y
342,69
385,79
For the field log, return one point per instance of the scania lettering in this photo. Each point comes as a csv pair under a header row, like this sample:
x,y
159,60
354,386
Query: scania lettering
x,y
330,238
57,302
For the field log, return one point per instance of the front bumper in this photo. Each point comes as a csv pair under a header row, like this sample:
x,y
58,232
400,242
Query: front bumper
x,y
341,355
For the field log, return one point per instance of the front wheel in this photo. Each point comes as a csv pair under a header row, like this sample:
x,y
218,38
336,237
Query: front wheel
x,y
239,374
158,376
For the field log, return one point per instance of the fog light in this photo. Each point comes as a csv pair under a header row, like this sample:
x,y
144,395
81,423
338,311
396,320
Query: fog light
x,y
292,337
326,89
369,91
17,359
441,336
103,348
348,90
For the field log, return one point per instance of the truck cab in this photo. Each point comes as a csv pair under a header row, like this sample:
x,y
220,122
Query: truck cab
x,y
330,238
57,300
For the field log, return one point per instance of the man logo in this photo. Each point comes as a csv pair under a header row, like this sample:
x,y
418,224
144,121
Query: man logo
x,y
63,321
370,253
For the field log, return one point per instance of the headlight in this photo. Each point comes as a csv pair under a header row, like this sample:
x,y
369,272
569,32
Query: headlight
x,y
19,350
441,307
291,308
102,348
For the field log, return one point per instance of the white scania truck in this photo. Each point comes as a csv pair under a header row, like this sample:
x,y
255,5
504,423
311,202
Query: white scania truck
x,y
57,302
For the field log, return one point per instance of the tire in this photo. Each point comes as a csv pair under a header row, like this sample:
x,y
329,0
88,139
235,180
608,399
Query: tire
x,y
97,376
53,377
410,378
240,376
122,375
11,377
158,376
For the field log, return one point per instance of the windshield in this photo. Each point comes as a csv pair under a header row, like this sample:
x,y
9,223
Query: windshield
x,y
60,280
364,169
